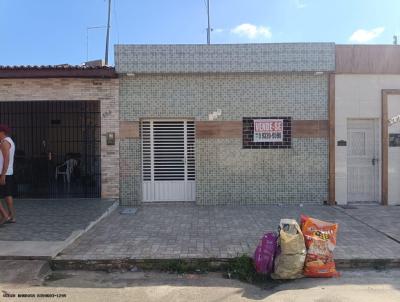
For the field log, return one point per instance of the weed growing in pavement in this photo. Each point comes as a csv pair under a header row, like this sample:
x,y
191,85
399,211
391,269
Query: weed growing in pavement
x,y
242,268
181,267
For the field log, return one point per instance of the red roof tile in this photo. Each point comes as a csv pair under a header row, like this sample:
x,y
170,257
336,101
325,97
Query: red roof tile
x,y
54,71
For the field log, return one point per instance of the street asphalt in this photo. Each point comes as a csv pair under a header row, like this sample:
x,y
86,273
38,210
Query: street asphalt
x,y
74,286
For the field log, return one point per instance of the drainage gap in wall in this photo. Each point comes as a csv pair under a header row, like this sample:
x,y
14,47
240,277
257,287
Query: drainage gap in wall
x,y
128,211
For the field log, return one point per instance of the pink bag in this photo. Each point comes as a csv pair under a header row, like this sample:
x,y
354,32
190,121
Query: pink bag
x,y
264,254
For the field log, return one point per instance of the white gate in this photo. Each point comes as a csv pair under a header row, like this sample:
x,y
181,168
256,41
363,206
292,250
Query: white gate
x,y
362,161
168,160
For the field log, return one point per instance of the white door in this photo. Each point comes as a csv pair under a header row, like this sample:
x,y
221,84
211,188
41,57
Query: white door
x,y
362,161
168,160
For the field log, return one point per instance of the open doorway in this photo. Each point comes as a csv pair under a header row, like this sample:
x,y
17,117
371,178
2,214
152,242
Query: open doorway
x,y
57,147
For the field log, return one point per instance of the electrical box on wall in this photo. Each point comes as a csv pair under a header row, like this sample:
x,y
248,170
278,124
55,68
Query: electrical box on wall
x,y
110,138
394,139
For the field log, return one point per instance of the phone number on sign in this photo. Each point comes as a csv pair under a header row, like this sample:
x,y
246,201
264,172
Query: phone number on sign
x,y
268,130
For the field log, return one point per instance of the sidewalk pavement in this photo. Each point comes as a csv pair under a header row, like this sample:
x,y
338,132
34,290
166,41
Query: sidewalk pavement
x,y
383,219
187,231
46,226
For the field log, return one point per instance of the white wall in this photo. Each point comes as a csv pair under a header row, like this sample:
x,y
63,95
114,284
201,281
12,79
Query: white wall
x,y
358,96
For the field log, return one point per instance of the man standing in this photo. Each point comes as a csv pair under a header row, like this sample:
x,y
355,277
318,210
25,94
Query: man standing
x,y
7,148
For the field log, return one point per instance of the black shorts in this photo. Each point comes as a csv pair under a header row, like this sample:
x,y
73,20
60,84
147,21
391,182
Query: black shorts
x,y
8,188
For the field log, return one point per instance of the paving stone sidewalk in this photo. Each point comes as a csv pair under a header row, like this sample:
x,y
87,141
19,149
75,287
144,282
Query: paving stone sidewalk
x,y
52,219
188,231
383,219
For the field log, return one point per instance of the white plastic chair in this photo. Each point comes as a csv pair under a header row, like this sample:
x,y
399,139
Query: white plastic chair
x,y
69,165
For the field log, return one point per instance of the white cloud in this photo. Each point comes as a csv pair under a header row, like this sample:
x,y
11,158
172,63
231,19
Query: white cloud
x,y
251,31
363,35
300,4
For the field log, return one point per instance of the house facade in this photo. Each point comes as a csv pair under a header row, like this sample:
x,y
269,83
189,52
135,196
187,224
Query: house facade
x,y
65,122
366,123
224,124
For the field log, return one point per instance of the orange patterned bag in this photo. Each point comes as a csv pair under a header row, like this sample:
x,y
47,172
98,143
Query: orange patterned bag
x,y
320,239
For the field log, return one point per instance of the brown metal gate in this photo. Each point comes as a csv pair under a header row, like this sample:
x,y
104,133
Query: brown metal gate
x,y
57,147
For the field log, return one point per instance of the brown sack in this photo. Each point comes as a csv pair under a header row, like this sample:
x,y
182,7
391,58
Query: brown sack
x,y
289,262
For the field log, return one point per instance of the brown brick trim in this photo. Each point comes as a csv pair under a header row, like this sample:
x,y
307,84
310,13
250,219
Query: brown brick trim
x,y
219,129
332,142
309,128
129,129
367,59
234,129
385,143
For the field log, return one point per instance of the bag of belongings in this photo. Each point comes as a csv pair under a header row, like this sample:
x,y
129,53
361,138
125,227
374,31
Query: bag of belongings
x,y
264,254
320,238
291,253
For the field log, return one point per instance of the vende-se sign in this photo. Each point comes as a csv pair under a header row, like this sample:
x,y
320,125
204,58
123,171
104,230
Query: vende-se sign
x,y
268,130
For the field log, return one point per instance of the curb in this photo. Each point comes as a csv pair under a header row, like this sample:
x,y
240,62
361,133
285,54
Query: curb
x,y
382,263
78,233
44,258
211,264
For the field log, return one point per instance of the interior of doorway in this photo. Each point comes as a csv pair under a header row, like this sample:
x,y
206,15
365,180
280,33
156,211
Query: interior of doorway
x,y
57,148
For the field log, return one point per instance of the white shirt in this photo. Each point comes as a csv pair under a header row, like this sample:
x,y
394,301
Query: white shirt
x,y
10,170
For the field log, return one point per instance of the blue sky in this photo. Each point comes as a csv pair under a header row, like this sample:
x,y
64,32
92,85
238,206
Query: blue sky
x,y
55,31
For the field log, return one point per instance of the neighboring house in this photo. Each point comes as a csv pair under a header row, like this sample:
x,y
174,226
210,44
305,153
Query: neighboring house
x,y
366,148
224,124
59,116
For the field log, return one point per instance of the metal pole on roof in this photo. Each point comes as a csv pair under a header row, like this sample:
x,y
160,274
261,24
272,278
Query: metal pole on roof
x,y
209,27
108,33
